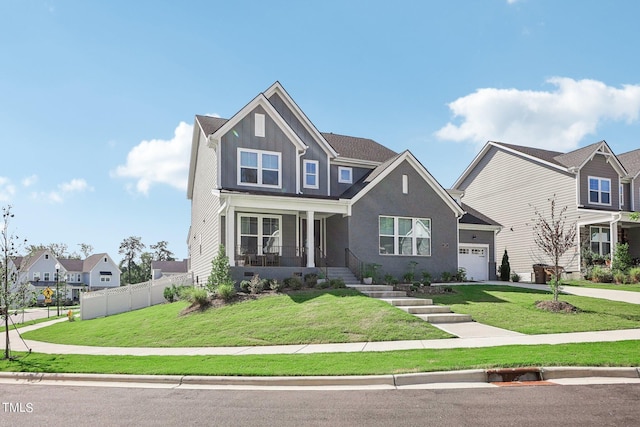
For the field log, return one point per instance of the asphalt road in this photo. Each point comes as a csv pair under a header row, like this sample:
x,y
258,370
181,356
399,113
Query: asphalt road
x,y
593,405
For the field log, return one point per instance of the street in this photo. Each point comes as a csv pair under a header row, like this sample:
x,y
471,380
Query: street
x,y
592,405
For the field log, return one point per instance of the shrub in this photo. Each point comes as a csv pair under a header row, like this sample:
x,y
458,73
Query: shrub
x,y
274,285
310,279
169,293
601,275
337,283
446,276
256,285
461,275
293,282
634,275
621,259
619,277
226,292
515,277
244,286
324,285
219,271
408,277
505,268
426,278
198,296
388,279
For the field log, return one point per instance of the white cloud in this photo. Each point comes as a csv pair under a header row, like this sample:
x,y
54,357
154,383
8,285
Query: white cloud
x,y
159,161
556,119
7,189
29,181
65,189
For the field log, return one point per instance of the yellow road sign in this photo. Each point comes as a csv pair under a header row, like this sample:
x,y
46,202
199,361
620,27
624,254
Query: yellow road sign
x,y
47,292
48,300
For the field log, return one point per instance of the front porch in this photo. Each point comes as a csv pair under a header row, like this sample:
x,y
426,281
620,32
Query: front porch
x,y
598,238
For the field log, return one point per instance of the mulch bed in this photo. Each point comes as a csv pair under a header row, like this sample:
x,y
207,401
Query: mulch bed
x,y
557,306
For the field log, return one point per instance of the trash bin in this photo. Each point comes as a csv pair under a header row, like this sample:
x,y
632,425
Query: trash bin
x,y
539,273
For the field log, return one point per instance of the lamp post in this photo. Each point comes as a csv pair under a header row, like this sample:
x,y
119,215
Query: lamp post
x,y
57,289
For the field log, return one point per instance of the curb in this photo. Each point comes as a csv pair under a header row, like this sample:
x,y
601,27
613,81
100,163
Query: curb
x,y
380,381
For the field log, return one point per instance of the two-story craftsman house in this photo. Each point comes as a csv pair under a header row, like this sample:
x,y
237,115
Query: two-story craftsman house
x,y
284,198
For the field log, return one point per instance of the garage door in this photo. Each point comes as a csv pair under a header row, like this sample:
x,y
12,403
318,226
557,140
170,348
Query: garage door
x,y
475,260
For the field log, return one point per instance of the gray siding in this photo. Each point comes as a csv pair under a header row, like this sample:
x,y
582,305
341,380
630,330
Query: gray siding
x,y
338,188
506,187
600,168
243,136
337,240
421,202
204,237
626,197
314,152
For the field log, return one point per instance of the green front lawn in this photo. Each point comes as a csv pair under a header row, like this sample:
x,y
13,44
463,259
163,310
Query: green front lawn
x,y
611,286
514,309
623,353
311,317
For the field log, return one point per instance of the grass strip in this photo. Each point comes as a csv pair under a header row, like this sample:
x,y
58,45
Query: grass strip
x,y
514,309
621,353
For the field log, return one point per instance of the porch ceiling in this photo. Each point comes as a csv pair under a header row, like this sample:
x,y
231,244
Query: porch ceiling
x,y
303,204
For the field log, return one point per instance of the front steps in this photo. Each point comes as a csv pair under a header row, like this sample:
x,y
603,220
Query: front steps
x,y
419,307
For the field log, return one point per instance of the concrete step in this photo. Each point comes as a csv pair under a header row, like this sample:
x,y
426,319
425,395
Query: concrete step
x,y
445,317
408,301
426,309
366,288
385,294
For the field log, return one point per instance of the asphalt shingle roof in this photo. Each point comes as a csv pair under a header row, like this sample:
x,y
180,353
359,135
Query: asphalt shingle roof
x,y
631,161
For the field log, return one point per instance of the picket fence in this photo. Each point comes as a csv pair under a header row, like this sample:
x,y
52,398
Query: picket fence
x,y
131,297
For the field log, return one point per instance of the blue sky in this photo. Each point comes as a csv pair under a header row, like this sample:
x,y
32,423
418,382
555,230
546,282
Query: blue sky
x,y
97,99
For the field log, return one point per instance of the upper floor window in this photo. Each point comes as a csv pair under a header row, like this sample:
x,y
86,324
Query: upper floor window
x,y
260,168
404,236
310,173
36,276
621,195
599,191
47,277
345,175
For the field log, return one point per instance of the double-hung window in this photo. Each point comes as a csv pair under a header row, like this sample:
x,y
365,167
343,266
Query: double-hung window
x,y
259,168
404,236
600,240
310,173
260,234
599,191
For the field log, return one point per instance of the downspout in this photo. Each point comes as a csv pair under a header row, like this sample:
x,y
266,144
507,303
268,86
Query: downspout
x,y
298,177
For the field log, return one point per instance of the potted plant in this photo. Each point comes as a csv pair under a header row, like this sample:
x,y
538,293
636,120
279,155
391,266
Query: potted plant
x,y
369,273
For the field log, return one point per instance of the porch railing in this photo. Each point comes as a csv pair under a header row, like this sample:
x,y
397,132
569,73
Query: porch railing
x,y
353,262
277,256
321,262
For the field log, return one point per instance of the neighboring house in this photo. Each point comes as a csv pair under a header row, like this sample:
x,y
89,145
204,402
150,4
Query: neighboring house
x,y
284,198
508,182
43,269
168,268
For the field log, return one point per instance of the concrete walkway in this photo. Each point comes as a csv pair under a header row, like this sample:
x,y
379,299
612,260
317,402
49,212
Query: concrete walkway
x,y
471,335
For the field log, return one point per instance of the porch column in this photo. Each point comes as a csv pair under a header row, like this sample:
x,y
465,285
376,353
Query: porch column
x,y
613,230
311,238
230,234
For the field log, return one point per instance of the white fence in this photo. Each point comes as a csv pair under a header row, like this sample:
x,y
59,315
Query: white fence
x,y
130,297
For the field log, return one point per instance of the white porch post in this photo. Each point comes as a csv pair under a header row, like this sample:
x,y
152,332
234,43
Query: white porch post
x,y
230,234
311,238
614,236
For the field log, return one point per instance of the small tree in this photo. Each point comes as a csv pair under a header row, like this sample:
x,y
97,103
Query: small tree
x,y
554,239
505,268
219,271
130,248
14,284
621,261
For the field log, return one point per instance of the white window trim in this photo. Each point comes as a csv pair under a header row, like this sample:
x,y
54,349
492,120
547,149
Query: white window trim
x,y
396,236
599,191
305,174
260,234
346,169
405,184
259,168
621,195
36,275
